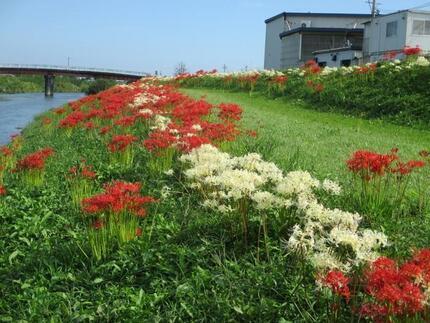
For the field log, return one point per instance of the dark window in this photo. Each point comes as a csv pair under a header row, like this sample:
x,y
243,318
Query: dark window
x,y
345,62
322,64
391,29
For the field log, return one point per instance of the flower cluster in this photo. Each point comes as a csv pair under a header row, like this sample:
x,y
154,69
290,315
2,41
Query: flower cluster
x,y
119,197
35,161
80,178
337,282
33,165
239,184
114,215
382,178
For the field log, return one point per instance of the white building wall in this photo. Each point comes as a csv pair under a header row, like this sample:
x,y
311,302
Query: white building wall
x,y
413,40
273,46
376,42
342,55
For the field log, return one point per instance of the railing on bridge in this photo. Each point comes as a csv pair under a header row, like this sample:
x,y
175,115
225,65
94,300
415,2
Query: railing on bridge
x,y
72,68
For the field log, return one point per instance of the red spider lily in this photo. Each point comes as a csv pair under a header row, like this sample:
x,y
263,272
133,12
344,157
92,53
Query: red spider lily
x,y
46,121
35,160
408,51
160,139
6,151
230,111
84,171
319,88
3,191
390,55
98,224
189,143
138,232
406,168
312,67
105,130
72,120
219,132
89,125
251,79
337,282
280,79
366,69
393,288
59,111
118,197
192,110
121,142
370,163
127,121
252,133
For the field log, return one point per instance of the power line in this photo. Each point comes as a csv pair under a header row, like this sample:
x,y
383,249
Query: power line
x,y
427,4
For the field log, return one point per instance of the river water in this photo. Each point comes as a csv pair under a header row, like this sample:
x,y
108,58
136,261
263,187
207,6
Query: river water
x,y
17,110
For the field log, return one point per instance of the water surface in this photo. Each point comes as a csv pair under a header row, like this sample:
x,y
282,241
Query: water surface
x,y
17,110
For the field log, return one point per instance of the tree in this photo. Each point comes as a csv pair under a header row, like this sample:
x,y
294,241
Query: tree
x,y
99,85
180,68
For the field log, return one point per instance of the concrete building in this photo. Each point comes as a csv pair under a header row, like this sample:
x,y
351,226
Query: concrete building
x,y
291,38
392,32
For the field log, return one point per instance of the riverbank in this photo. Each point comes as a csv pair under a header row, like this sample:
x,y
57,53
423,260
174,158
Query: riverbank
x,y
10,84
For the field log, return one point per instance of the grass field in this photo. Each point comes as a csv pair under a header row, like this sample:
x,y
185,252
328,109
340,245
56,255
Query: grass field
x,y
322,140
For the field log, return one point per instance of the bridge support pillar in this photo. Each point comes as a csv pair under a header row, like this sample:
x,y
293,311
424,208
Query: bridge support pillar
x,y
49,85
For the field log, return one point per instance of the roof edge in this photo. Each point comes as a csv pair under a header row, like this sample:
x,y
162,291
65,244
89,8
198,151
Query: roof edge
x,y
320,30
316,14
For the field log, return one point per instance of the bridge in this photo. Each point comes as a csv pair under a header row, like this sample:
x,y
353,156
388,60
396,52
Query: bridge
x,y
50,71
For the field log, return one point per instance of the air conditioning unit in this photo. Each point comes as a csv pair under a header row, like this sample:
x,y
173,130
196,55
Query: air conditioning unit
x,y
306,23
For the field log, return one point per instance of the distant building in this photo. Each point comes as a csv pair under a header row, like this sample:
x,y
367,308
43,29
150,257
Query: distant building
x,y
392,32
291,38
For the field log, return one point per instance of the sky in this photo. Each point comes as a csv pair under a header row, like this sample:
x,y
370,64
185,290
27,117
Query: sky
x,y
149,36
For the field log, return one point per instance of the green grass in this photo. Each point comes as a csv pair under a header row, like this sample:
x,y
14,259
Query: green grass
x,y
194,269
322,140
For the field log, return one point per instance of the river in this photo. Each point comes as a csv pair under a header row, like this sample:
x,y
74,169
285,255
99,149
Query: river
x,y
17,110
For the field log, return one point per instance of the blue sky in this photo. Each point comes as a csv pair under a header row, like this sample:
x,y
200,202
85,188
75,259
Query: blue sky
x,y
151,35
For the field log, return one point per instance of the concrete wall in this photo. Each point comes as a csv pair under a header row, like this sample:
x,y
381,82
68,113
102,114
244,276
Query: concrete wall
x,y
290,51
273,46
340,56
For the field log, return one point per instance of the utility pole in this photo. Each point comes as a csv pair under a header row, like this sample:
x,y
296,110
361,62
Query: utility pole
x,y
224,68
373,8
68,61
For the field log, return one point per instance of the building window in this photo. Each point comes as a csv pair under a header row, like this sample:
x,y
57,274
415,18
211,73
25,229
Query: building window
x,y
345,62
391,29
421,27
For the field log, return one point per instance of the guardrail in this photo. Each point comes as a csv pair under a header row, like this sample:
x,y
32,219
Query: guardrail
x,y
73,68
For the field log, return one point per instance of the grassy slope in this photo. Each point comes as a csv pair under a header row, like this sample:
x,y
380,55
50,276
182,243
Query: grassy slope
x,y
324,140
193,269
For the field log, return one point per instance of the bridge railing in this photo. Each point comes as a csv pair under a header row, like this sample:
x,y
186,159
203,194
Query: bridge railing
x,y
73,68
